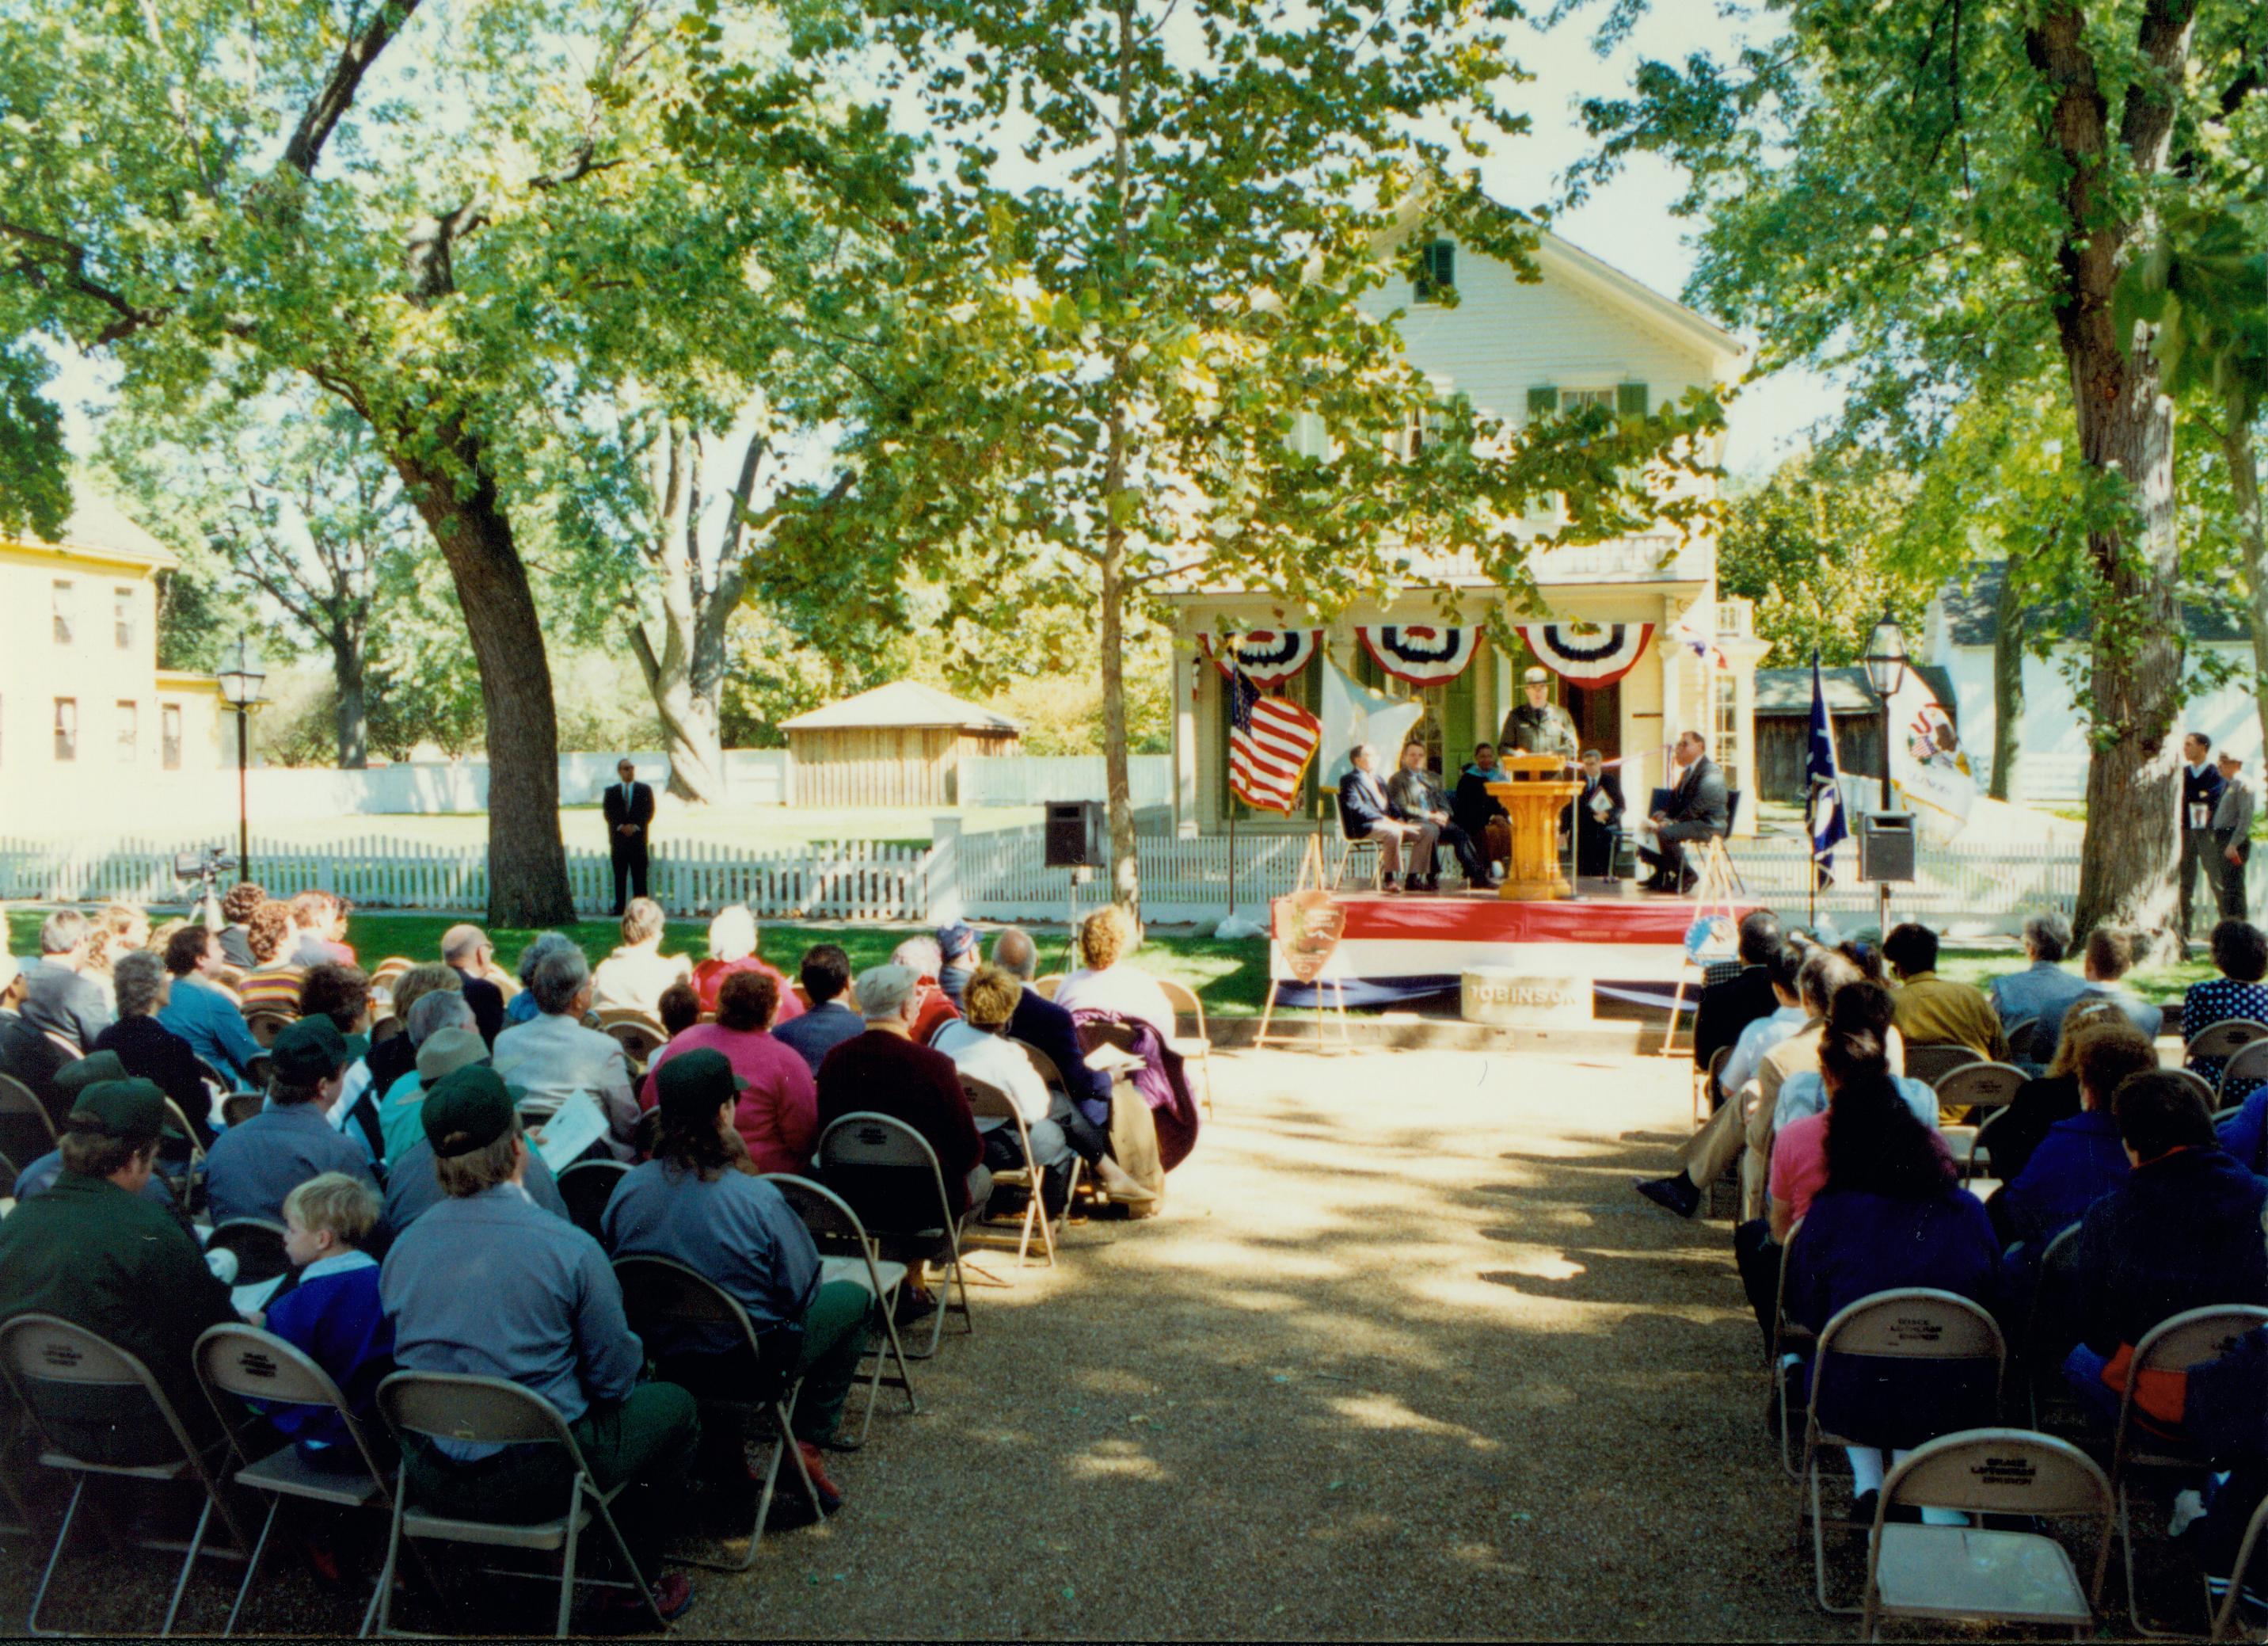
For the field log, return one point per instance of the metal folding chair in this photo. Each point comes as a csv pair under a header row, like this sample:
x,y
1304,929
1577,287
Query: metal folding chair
x,y
847,1254
1348,850
2058,1265
245,1370
2249,1065
639,1034
1788,1338
1705,1085
258,1244
986,1101
237,1107
587,1186
881,1165
1975,1085
1930,1062
2224,1039
40,1352
27,1130
2019,1040
2224,1615
490,1410
1910,1323
658,1293
1042,1065
1198,1046
1942,1572
1048,985
2186,1340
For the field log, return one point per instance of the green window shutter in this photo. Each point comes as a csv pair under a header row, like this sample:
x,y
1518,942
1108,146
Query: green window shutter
x,y
1542,401
1630,400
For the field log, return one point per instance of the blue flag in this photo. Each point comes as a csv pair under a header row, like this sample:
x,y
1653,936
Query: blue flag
x,y
1823,783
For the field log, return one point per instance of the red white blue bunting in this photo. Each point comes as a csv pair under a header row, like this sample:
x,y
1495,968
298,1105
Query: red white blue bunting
x,y
1420,655
1267,656
1588,655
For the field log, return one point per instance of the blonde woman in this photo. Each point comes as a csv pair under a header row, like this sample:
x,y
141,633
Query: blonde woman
x,y
1108,982
635,973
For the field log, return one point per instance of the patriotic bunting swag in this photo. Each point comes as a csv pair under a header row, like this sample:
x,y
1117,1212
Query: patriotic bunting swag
x,y
1589,656
1271,656
1418,655
1270,740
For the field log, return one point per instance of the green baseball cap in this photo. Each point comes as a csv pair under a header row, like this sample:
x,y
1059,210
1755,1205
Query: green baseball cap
x,y
126,1109
309,1051
691,1086
465,1111
75,1077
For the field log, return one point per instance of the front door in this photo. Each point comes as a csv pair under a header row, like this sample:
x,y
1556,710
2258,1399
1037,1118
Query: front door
x,y
1597,711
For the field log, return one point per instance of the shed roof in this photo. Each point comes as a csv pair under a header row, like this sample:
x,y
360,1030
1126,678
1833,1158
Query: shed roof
x,y
1786,692
1970,613
904,705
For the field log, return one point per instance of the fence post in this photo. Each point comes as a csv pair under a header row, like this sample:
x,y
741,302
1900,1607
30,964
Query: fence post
x,y
944,871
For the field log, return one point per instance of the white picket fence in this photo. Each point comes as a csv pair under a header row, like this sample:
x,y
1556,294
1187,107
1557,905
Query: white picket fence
x,y
994,875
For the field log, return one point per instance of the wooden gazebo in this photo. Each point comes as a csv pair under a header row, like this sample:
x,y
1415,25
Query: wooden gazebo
x,y
897,745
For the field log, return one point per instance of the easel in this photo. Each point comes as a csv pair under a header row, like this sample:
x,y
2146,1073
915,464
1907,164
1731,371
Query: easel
x,y
1310,879
1713,899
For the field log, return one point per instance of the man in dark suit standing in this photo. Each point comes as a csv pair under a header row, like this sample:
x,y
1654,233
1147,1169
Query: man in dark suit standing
x,y
2201,787
1598,818
629,817
1698,809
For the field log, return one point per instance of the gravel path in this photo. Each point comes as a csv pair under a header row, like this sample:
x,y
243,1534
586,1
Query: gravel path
x,y
1404,1356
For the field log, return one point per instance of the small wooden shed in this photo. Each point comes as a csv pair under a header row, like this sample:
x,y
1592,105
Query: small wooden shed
x,y
897,745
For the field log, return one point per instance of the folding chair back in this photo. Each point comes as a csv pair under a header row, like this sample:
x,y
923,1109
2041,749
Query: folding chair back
x,y
888,1172
1914,1323
27,1130
836,1228
2020,1033
2224,1617
1979,1085
1107,1034
237,1107
1044,1066
988,1102
1931,1062
639,1034
1185,1003
2000,1472
2224,1039
2198,1083
2248,1065
479,1411
1049,985
587,1186
258,1244
2175,1344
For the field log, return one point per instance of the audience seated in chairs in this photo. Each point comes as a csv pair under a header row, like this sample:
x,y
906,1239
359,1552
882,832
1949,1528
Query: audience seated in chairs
x,y
332,1314
93,1251
1935,1011
2240,953
59,998
825,975
2184,1231
197,1010
1108,981
521,1008
697,1202
255,1164
1366,812
1887,1211
273,984
150,1051
1727,1007
1857,1003
933,1007
444,1039
341,992
466,950
732,948
777,1114
486,1283
395,1055
634,976
1479,812
883,1071
1788,1014
237,905
1416,794
2051,1095
555,1057
2042,989
2082,1158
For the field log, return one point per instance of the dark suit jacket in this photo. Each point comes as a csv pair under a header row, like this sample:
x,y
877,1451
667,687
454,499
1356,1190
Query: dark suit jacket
x,y
27,1055
1699,808
487,1001
1048,1026
1357,811
1472,805
1612,783
1728,1008
640,812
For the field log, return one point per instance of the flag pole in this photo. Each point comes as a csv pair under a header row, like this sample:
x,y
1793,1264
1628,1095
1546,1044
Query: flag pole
x,y
1232,857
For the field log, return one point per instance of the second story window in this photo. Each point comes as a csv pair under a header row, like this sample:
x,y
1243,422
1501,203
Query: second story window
x,y
130,731
64,595
1437,272
66,729
122,614
169,733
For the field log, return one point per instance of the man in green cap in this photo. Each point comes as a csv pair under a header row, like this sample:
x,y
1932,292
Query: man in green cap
x,y
255,1164
488,1283
93,1252
38,1176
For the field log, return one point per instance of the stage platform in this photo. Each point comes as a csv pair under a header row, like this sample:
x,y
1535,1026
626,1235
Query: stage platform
x,y
1411,946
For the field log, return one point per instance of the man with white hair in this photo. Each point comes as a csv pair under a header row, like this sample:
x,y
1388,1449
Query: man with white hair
x,y
26,1053
59,999
885,1071
1366,812
933,1008
732,948
555,1057
2043,991
443,1019
468,951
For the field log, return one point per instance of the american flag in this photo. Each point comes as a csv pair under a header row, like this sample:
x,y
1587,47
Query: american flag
x,y
1269,743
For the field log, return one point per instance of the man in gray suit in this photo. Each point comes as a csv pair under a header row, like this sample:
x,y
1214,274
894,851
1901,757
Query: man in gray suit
x,y
58,999
1699,808
2232,833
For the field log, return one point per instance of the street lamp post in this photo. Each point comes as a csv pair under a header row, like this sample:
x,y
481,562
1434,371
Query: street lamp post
x,y
1886,671
239,688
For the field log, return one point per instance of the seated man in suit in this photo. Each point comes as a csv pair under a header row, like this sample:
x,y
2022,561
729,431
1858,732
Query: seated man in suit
x,y
1366,814
1598,818
1416,794
1698,809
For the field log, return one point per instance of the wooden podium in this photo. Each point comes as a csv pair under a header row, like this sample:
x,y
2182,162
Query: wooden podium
x,y
1533,799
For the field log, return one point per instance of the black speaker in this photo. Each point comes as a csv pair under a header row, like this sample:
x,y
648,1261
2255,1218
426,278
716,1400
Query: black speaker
x,y
1074,835
1886,846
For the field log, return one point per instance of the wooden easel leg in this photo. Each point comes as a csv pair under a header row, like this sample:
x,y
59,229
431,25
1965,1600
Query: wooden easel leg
x,y
1267,1011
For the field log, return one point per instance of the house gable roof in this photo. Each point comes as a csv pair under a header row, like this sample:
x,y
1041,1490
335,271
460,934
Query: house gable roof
x,y
902,704
98,530
1971,614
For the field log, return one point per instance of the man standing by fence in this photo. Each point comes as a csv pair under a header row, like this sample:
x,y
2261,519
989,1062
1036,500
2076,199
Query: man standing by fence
x,y
630,816
2232,836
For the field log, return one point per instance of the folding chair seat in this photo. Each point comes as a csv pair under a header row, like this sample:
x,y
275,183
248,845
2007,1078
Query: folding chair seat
x,y
2175,1344
887,1171
258,1245
245,1372
40,1353
1196,1047
1944,1573
491,1411
1975,1085
587,1186
988,1102
27,1130
657,1295
847,1254
1916,1323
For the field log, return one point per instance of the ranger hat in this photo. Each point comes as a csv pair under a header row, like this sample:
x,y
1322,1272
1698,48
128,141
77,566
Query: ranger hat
x,y
1538,677
446,1051
75,1077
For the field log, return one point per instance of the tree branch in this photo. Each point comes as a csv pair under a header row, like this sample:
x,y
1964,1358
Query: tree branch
x,y
331,103
131,317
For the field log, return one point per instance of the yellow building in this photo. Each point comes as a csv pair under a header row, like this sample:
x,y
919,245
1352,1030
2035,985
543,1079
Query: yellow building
x,y
91,728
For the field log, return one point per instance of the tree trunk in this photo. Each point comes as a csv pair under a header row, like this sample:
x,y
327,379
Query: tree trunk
x,y
1125,868
528,862
2007,682
348,658
2252,538
690,719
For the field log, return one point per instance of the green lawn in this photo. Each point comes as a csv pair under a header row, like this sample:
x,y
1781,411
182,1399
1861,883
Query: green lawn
x,y
1231,977
2158,984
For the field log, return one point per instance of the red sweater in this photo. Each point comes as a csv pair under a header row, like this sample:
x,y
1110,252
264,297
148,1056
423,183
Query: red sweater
x,y
886,1074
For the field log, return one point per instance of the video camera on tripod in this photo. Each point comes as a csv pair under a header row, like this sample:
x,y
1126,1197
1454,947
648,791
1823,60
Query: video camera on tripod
x,y
204,868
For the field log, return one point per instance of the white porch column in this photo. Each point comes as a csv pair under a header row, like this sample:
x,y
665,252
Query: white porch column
x,y
1189,671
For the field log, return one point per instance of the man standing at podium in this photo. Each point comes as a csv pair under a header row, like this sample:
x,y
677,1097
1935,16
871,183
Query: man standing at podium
x,y
629,807
1539,726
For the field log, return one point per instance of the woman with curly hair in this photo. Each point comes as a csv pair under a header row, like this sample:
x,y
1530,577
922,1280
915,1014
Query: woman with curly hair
x,y
273,983
1108,982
